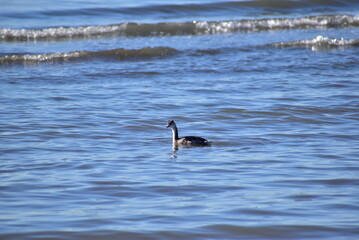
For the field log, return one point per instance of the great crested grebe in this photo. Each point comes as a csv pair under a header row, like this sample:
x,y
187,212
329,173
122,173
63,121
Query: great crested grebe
x,y
189,140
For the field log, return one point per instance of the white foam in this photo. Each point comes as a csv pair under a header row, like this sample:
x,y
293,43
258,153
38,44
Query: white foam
x,y
324,21
60,32
319,42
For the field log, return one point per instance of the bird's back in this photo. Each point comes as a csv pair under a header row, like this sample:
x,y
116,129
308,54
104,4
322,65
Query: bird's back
x,y
193,140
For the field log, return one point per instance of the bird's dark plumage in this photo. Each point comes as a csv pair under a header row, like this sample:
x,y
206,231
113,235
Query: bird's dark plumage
x,y
188,140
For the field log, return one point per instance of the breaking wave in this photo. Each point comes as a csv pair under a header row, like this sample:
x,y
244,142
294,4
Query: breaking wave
x,y
318,43
115,54
120,54
178,28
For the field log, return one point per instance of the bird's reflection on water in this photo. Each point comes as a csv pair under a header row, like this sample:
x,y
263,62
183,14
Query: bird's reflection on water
x,y
173,154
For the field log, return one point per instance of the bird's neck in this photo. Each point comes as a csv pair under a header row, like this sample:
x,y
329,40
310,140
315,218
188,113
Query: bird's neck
x,y
174,134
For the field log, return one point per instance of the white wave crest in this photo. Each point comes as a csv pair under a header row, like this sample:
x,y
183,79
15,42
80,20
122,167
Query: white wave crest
x,y
323,21
319,42
58,33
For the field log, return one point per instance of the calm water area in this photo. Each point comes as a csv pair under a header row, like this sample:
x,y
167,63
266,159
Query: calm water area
x,y
86,90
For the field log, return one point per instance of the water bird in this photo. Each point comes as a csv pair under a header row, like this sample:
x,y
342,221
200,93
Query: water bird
x,y
188,140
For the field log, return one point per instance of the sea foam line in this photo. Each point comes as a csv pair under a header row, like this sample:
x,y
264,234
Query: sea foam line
x,y
319,42
179,28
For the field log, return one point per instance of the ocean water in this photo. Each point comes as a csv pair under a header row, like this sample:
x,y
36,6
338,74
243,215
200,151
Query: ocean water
x,y
87,87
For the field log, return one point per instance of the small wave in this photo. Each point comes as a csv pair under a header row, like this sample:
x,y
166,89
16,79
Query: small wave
x,y
318,43
115,54
60,33
178,28
323,21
